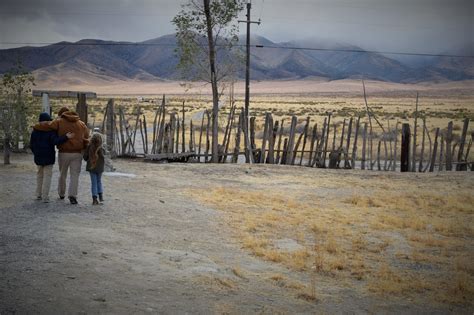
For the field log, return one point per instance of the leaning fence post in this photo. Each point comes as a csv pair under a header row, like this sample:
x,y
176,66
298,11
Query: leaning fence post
x,y
405,155
110,127
449,139
462,164
435,150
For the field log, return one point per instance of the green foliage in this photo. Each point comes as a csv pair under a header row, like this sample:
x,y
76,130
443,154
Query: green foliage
x,y
14,115
191,35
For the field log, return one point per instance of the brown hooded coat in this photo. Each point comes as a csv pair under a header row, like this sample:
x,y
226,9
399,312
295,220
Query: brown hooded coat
x,y
68,122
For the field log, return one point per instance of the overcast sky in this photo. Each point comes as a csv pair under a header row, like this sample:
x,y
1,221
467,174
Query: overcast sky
x,y
423,26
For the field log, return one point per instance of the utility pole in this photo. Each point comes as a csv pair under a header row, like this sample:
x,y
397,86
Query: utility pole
x,y
247,62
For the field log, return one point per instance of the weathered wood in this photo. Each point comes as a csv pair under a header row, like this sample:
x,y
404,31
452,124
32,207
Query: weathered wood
x,y
155,126
354,146
81,107
172,133
183,134
405,154
462,165
241,121
285,150
364,144
280,135
161,132
271,147
191,136
122,137
429,147
208,140
110,128
136,126
170,157
319,147
200,134
253,146
178,129
394,165
441,153
142,136
305,137
227,127
378,155
104,119
334,126
314,136
413,161
247,143
326,140
291,141
435,149
145,129
422,152
348,144
342,134
449,139
266,131
295,151
227,138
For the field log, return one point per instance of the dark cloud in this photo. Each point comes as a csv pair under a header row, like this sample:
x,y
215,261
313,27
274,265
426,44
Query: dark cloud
x,y
396,25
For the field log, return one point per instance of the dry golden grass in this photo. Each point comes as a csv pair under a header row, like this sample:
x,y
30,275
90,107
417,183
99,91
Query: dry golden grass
x,y
394,234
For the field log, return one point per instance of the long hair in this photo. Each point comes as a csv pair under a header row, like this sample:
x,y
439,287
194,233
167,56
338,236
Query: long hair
x,y
94,148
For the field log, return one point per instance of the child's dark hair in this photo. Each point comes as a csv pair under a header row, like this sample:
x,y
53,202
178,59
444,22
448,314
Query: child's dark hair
x,y
94,148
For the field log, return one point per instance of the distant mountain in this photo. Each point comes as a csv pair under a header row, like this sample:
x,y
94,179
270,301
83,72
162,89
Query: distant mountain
x,y
155,59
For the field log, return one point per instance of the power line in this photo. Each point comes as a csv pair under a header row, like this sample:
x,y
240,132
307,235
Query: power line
x,y
242,45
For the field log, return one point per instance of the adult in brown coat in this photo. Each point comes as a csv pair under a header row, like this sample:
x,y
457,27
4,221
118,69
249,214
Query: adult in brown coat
x,y
70,152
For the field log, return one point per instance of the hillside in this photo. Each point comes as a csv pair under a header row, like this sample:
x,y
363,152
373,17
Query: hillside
x,y
155,59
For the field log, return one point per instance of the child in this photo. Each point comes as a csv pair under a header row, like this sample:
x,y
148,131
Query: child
x,y
94,155
42,145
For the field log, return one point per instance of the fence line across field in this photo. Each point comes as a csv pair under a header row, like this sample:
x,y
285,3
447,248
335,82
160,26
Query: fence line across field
x,y
172,139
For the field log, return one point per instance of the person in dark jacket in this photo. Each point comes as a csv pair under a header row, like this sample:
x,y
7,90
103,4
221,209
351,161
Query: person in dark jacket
x,y
95,157
42,145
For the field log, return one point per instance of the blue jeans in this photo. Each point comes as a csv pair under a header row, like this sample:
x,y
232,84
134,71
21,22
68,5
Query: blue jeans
x,y
96,183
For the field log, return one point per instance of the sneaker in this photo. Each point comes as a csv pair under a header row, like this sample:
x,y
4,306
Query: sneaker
x,y
73,200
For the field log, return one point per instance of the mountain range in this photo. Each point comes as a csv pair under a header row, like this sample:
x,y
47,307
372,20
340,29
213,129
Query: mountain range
x,y
155,59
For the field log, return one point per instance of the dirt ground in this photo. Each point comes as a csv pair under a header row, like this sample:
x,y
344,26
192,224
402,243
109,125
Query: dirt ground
x,y
155,247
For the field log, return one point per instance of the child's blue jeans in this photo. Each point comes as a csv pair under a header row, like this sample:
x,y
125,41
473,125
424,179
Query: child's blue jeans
x,y
96,183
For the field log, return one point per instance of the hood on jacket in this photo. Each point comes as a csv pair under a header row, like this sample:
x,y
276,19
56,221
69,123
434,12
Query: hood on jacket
x,y
43,126
70,116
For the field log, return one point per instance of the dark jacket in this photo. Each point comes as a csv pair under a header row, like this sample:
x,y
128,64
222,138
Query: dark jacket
x,y
99,165
42,145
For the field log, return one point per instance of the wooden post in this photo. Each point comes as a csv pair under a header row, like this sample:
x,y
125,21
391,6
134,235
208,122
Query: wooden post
x,y
266,131
110,128
343,133
378,155
334,126
178,129
305,132
172,131
405,154
394,165
346,155
435,149
227,139
326,140
142,136
162,126
200,135
295,151
354,147
248,148
314,136
449,139
462,163
280,135
285,149
145,129
291,141
235,156
191,136
208,141
413,162
422,153
81,107
183,138
441,152
253,146
122,137
364,144
271,146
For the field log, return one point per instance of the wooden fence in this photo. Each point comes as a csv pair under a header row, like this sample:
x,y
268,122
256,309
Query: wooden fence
x,y
355,145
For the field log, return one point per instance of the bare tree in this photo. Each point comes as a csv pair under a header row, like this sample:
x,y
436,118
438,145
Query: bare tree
x,y
206,33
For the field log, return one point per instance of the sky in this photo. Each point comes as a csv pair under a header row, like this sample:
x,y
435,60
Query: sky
x,y
418,26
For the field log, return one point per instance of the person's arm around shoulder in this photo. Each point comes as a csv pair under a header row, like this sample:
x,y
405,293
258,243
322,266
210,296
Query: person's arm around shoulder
x,y
47,126
57,140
